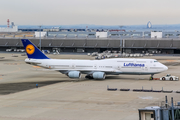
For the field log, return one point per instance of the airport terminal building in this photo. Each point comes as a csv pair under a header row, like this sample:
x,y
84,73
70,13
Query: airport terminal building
x,y
98,41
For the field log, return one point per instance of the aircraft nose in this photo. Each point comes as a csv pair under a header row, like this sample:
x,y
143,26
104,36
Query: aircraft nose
x,y
165,67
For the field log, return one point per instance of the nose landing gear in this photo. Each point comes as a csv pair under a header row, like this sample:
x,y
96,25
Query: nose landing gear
x,y
151,78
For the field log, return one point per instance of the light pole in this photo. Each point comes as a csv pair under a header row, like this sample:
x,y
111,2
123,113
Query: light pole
x,y
40,37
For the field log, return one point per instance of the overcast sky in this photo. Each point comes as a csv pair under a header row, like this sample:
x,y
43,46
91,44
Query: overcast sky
x,y
98,12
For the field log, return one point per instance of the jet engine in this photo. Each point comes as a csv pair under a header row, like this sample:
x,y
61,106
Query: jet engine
x,y
74,74
99,75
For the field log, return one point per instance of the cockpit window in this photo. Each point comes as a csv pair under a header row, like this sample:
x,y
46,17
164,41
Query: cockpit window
x,y
155,61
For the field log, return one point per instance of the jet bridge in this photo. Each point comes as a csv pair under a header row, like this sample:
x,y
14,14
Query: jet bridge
x,y
164,112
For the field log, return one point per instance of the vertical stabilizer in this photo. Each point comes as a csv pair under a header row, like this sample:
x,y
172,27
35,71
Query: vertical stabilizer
x,y
32,51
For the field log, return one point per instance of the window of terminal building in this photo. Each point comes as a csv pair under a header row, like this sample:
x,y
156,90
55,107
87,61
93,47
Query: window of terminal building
x,y
64,30
91,34
114,34
61,35
147,34
169,35
135,34
72,34
50,34
124,34
82,34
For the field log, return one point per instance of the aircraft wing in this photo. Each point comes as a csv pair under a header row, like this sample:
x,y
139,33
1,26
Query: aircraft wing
x,y
86,71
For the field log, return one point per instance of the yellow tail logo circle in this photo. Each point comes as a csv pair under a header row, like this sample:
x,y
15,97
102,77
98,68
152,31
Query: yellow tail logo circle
x,y
30,49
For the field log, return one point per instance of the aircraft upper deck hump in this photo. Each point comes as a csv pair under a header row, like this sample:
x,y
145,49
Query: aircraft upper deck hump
x,y
32,51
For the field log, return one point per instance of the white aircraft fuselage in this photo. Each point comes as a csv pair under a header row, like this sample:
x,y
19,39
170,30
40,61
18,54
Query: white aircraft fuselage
x,y
108,66
95,69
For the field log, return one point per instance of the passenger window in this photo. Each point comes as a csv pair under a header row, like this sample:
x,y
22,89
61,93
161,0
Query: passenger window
x,y
152,115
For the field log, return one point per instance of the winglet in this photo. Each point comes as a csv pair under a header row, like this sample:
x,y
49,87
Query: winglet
x,y
32,51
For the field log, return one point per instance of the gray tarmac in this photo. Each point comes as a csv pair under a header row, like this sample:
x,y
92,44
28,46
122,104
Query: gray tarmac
x,y
61,98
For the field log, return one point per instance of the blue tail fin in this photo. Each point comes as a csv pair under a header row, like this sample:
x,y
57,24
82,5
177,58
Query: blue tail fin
x,y
32,51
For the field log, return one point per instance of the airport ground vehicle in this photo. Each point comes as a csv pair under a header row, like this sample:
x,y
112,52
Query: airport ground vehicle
x,y
46,51
169,77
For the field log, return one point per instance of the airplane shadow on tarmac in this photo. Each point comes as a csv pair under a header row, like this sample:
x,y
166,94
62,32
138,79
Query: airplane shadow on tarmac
x,y
6,60
9,88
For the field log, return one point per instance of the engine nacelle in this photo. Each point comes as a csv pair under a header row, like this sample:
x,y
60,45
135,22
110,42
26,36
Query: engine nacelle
x,y
74,74
99,75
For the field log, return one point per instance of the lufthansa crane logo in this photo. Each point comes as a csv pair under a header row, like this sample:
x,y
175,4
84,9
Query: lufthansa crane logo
x,y
30,49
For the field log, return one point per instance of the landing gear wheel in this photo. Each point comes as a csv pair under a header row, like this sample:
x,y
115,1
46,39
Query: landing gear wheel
x,y
163,78
171,79
151,78
88,77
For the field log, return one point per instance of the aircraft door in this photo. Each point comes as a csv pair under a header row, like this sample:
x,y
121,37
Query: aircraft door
x,y
143,68
73,66
95,66
146,68
119,67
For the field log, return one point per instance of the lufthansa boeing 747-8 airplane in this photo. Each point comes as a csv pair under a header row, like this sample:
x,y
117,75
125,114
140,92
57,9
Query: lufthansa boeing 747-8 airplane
x,y
96,69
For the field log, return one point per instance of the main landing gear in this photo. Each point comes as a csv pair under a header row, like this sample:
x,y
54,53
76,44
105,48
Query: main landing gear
x,y
151,78
89,76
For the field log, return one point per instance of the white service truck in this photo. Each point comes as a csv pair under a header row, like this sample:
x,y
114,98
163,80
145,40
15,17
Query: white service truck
x,y
169,77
